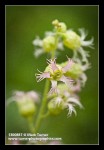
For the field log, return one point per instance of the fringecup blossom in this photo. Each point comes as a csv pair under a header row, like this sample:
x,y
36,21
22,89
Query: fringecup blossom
x,y
55,73
64,100
76,42
72,40
46,45
26,102
51,41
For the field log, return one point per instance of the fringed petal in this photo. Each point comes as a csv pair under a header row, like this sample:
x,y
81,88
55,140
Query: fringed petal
x,y
52,63
38,42
83,33
38,52
67,81
58,101
42,75
83,79
53,87
68,65
88,43
75,101
71,110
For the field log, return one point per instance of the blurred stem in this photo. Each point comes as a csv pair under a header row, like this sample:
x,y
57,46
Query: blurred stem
x,y
31,124
41,111
44,100
46,115
56,42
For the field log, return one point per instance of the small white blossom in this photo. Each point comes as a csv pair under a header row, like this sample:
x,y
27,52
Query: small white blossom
x,y
66,100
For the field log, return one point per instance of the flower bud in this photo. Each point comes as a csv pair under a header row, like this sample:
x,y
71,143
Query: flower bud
x,y
49,43
59,26
72,40
26,107
53,108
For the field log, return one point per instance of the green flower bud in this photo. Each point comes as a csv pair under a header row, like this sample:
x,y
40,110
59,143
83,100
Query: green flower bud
x,y
72,40
53,108
26,107
59,26
49,43
75,71
55,22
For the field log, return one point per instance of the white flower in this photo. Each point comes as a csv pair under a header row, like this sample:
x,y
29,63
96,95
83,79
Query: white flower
x,y
75,42
65,99
68,101
21,95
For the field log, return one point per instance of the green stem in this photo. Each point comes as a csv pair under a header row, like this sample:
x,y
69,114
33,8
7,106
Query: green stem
x,y
46,115
31,124
53,51
44,101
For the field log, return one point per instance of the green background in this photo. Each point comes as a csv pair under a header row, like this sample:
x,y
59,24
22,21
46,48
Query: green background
x,y
23,23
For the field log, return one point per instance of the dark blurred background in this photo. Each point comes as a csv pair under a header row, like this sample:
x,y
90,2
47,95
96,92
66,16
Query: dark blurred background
x,y
23,23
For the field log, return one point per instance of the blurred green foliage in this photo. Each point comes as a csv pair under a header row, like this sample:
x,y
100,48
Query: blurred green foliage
x,y
23,24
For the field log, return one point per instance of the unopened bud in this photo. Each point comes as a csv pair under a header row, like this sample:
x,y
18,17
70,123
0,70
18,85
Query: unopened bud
x,y
59,26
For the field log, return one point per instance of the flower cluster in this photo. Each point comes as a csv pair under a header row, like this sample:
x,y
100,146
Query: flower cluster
x,y
60,37
71,72
66,98
67,78
63,95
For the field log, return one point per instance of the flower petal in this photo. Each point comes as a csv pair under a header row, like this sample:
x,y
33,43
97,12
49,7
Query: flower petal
x,y
88,43
49,33
53,87
83,33
42,75
38,42
71,109
52,63
38,52
33,95
68,65
83,79
75,101
84,54
76,87
66,80
58,100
